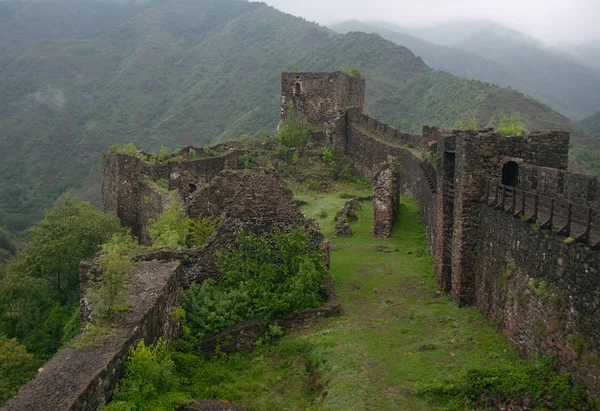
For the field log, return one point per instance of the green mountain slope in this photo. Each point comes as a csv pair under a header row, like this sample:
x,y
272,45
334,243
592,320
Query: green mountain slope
x,y
198,72
592,124
495,54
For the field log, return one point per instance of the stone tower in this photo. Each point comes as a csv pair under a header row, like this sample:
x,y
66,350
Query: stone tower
x,y
320,98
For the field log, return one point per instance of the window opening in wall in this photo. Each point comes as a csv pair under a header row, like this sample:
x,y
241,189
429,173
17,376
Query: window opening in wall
x,y
510,174
297,88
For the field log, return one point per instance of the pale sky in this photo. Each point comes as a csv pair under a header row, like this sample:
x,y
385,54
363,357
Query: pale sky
x,y
552,21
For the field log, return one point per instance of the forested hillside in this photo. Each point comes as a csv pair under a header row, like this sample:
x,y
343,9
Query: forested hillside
x,y
495,54
592,124
177,72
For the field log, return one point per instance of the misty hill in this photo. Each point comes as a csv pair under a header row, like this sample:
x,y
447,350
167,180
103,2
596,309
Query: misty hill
x,y
178,72
592,124
588,53
487,51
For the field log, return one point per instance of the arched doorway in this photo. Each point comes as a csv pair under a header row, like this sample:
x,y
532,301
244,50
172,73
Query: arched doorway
x,y
297,88
510,174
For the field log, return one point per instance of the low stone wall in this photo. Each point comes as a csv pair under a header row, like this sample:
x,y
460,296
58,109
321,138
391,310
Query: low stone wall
x,y
82,379
544,294
244,336
386,201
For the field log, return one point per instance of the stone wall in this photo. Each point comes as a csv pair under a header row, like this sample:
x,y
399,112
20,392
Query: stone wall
x,y
83,378
367,151
377,129
386,201
544,294
578,188
320,98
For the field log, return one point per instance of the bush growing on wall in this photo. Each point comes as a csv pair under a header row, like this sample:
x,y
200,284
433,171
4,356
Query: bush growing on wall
x,y
171,228
294,131
264,276
174,229
106,294
511,126
151,381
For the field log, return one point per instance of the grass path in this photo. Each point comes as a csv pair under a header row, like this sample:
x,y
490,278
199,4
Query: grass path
x,y
395,332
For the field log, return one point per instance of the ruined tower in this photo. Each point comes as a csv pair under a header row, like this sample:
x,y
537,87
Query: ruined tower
x,y
321,98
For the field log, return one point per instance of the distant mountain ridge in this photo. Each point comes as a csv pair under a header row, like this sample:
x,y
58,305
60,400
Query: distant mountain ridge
x,y
487,51
194,72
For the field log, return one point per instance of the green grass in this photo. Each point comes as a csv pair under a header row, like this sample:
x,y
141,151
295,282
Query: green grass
x,y
395,333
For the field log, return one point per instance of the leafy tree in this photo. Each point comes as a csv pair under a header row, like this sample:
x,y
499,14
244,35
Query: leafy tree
x,y
17,366
106,294
294,131
39,291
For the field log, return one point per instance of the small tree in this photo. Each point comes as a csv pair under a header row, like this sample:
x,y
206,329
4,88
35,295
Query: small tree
x,y
294,131
511,126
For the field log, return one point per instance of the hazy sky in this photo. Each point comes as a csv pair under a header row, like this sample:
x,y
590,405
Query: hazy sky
x,y
552,21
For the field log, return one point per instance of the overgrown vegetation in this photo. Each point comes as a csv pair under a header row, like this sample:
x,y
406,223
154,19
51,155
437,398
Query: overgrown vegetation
x,y
151,381
351,71
294,131
39,292
470,124
532,384
106,294
174,229
511,126
264,277
17,366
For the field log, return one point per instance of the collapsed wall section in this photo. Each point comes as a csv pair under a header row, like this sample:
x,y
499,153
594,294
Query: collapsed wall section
x,y
129,185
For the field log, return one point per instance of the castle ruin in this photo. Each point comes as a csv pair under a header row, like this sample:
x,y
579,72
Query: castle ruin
x,y
511,231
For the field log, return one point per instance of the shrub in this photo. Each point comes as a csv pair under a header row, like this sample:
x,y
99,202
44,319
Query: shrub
x,y
170,229
511,126
164,154
210,308
246,160
327,154
352,71
201,229
106,293
264,276
17,366
151,381
494,386
294,131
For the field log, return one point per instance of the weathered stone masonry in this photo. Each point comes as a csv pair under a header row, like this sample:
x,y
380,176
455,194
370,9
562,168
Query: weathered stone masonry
x,y
539,286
